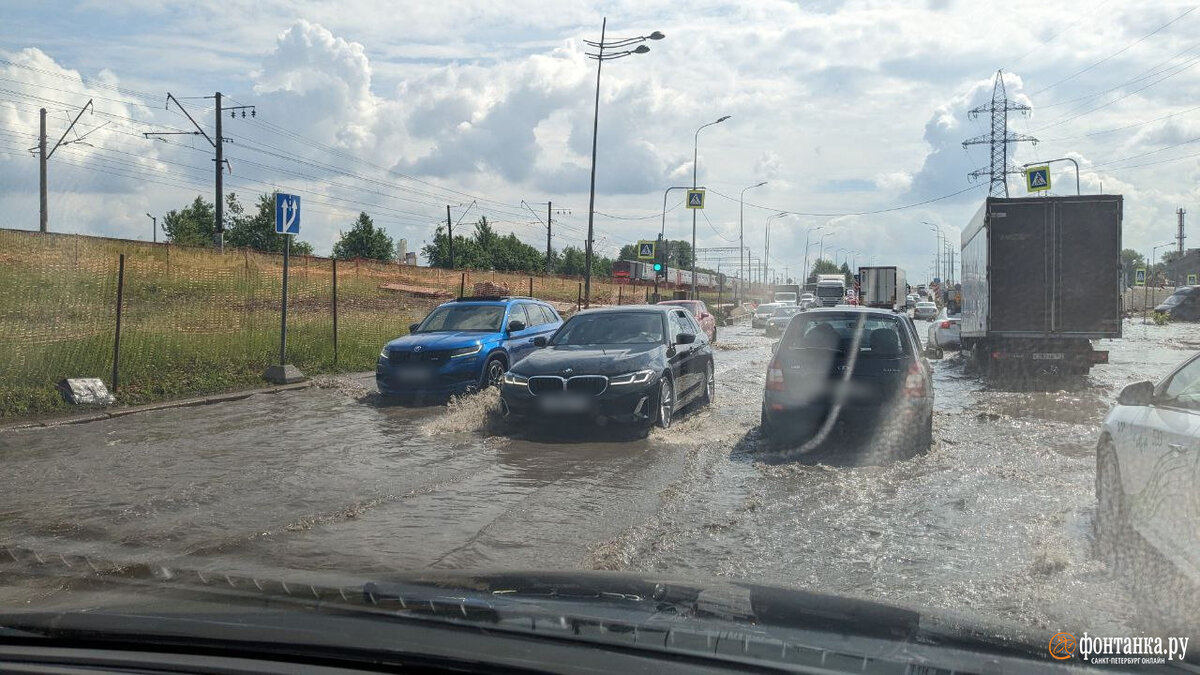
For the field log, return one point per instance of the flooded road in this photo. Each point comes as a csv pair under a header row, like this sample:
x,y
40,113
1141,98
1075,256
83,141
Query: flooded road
x,y
995,521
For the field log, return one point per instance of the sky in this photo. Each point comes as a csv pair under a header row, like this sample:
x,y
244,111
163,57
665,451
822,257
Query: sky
x,y
854,113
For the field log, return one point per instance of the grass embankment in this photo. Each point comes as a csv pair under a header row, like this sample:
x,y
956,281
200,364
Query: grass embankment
x,y
196,322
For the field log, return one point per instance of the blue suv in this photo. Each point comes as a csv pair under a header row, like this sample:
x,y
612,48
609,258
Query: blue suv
x,y
463,345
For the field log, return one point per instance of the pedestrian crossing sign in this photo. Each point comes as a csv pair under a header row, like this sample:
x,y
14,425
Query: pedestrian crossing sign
x,y
645,250
1191,280
1037,178
695,199
1139,276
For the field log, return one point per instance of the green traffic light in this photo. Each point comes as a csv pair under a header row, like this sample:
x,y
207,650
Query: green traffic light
x,y
657,267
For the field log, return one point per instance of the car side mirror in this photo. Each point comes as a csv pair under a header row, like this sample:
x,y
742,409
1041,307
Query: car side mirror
x,y
412,327
539,341
775,346
685,339
516,326
1138,393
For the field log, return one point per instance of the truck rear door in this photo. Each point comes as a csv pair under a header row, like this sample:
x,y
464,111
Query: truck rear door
x,y
1019,262
1087,251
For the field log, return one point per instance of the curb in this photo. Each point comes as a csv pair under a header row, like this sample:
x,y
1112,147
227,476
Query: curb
x,y
150,407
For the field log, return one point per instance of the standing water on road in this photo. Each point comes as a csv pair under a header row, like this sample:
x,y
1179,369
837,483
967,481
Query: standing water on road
x,y
996,520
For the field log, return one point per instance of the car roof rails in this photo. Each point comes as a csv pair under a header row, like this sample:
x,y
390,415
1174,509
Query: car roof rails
x,y
477,298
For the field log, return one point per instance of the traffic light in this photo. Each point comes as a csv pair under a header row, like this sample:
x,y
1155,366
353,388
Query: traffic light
x,y
658,268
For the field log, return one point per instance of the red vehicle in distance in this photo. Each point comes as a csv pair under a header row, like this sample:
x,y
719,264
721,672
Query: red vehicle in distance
x,y
708,322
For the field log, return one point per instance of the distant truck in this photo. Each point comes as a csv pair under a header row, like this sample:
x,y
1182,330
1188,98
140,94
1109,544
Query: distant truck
x,y
885,287
786,294
831,289
1041,280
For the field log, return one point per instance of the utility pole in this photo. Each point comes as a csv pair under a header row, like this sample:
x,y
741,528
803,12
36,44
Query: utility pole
x,y
450,235
44,216
999,138
218,161
219,165
549,220
44,157
1180,236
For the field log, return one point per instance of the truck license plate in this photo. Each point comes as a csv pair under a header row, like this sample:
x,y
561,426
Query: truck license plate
x,y
1047,357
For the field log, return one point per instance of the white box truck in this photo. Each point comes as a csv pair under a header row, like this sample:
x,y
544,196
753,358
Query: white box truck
x,y
885,287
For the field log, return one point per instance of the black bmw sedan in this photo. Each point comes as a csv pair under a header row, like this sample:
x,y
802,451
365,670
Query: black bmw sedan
x,y
633,365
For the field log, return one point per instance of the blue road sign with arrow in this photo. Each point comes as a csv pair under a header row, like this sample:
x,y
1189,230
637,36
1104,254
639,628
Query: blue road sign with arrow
x,y
287,213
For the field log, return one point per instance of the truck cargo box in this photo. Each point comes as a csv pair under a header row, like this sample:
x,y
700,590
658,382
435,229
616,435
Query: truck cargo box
x,y
1043,267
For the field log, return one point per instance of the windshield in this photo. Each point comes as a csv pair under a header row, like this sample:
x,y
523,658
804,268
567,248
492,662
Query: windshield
x,y
874,336
611,328
481,318
260,262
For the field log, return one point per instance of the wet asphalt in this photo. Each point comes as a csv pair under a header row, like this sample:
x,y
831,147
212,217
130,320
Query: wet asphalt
x,y
995,521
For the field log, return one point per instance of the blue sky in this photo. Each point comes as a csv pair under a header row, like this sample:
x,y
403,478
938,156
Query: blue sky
x,y
400,108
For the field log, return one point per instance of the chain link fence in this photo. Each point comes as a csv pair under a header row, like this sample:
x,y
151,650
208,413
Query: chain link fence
x,y
195,321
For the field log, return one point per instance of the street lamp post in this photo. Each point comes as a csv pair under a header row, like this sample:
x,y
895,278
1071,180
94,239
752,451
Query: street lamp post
x,y
1149,269
695,159
662,239
767,246
821,252
153,227
600,57
742,234
806,234
937,247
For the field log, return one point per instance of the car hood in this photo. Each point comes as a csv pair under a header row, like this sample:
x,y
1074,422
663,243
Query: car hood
x,y
590,360
442,340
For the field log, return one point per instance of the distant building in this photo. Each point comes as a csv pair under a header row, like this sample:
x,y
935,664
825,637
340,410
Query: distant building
x,y
1178,270
410,258
402,251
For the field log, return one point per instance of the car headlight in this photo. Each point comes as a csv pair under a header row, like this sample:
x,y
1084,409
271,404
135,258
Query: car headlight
x,y
383,354
640,377
516,380
465,351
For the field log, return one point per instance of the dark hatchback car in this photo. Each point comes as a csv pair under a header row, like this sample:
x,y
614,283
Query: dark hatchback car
x,y
1182,305
633,365
853,368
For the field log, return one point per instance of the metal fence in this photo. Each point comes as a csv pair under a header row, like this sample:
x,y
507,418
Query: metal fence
x,y
195,321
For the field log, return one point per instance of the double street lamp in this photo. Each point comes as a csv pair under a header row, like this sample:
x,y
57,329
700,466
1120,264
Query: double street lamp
x,y
600,57
767,246
695,159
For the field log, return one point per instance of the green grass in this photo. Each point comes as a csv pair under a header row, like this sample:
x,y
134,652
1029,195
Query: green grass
x,y
195,322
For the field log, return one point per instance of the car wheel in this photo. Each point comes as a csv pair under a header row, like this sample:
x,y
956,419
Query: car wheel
x,y
493,372
1112,518
710,385
922,440
666,401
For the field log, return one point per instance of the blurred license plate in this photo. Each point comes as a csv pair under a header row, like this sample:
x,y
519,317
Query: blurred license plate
x,y
564,404
1047,357
414,374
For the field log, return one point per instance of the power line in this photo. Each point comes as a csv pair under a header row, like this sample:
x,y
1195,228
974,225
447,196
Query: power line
x,y
1116,53
851,213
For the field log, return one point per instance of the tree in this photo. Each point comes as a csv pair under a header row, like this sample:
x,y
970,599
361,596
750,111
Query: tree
x,y
257,231
364,240
628,252
192,225
822,266
845,270
572,261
